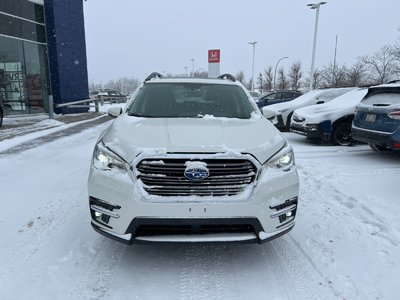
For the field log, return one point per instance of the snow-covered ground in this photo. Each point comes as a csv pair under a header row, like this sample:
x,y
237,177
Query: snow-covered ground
x,y
345,244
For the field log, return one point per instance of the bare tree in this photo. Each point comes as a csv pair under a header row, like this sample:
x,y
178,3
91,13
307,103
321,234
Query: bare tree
x,y
249,84
396,53
123,85
95,86
201,74
356,75
240,77
295,75
317,79
282,80
260,82
268,79
382,65
334,75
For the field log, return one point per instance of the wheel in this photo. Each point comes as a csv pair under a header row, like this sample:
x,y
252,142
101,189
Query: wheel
x,y
342,134
378,148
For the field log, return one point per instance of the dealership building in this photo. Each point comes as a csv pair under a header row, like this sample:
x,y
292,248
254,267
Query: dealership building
x,y
42,53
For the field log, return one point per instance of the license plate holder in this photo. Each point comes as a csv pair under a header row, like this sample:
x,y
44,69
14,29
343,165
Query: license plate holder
x,y
370,118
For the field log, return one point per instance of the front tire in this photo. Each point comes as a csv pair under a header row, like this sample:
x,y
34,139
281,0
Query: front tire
x,y
342,135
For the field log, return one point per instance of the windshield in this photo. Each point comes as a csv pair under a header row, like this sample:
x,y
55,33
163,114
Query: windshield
x,y
388,98
191,100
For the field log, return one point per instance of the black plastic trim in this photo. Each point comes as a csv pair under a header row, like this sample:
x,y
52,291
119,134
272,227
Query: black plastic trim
x,y
153,75
109,235
193,221
227,76
287,203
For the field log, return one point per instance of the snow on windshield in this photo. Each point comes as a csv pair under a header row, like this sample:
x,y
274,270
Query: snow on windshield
x,y
383,98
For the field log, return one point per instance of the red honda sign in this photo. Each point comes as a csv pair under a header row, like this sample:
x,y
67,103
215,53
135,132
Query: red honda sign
x,y
213,56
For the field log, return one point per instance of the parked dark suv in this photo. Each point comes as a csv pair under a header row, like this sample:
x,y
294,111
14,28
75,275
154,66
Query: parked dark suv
x,y
275,97
377,118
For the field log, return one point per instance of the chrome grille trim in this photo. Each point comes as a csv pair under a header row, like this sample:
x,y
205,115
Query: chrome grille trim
x,y
165,176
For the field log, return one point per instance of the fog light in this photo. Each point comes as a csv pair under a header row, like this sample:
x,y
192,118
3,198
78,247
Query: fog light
x,y
288,214
98,215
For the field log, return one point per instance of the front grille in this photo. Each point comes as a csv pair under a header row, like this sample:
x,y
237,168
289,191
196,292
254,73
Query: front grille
x,y
156,230
165,177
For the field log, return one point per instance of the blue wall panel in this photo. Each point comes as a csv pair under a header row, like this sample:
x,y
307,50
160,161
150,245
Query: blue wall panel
x,y
67,52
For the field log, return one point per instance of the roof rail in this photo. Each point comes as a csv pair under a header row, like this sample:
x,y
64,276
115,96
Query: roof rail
x,y
227,76
153,75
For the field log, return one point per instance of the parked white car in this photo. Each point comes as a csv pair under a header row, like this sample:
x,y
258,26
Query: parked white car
x,y
330,121
280,114
192,160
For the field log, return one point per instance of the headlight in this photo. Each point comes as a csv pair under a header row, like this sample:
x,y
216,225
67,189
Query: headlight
x,y
283,160
105,159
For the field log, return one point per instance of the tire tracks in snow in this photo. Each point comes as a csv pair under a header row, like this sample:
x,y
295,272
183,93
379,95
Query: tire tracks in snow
x,y
35,234
306,281
205,272
98,270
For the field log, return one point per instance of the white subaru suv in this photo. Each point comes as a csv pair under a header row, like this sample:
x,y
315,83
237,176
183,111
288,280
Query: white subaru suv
x,y
192,160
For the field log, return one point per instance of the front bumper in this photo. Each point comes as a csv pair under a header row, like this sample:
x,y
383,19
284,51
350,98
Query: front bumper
x,y
387,140
268,212
313,133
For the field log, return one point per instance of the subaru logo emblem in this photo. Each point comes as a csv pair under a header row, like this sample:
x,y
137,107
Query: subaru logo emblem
x,y
196,170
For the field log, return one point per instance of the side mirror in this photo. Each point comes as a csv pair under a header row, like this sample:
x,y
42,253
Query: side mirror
x,y
115,112
268,113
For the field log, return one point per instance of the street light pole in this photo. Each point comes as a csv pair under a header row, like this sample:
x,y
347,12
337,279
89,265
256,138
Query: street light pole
x,y
252,68
276,66
192,60
316,7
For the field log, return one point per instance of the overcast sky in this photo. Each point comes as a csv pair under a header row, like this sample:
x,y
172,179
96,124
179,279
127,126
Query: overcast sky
x,y
134,38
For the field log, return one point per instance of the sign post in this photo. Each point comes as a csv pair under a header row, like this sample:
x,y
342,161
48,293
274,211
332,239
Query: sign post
x,y
214,57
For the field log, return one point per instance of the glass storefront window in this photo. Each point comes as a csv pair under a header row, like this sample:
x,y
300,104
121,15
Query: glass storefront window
x,y
24,83
24,9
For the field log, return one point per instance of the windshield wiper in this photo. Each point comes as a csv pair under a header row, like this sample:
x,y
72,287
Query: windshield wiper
x,y
132,114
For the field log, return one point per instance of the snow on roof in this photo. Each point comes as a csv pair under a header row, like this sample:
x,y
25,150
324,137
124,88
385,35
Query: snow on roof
x,y
192,80
308,98
395,84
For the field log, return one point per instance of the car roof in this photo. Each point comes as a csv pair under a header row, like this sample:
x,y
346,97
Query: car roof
x,y
226,79
190,80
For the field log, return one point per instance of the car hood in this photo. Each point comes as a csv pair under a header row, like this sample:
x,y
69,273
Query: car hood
x,y
322,112
131,137
341,106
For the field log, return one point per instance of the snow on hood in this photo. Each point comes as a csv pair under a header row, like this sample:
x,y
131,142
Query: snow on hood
x,y
338,107
131,136
309,98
